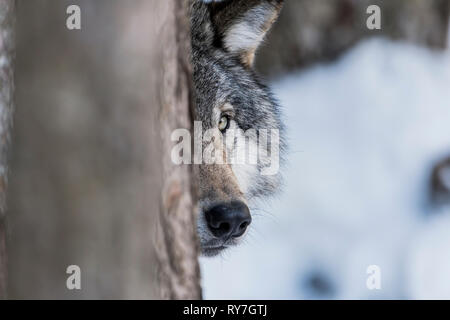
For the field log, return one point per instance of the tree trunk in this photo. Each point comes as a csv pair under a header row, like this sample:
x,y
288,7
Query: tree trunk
x,y
6,111
93,182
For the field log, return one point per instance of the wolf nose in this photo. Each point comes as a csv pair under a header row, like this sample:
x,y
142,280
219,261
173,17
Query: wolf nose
x,y
228,220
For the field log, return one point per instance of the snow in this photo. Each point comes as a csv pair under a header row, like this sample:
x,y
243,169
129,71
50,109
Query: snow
x,y
364,133
429,260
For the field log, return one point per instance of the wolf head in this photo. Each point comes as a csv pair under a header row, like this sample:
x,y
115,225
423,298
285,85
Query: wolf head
x,y
240,126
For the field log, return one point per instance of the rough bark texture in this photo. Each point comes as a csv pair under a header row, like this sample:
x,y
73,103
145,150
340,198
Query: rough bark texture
x,y
7,8
176,255
310,31
93,182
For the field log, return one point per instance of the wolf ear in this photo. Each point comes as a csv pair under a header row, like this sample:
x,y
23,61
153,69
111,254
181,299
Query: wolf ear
x,y
241,25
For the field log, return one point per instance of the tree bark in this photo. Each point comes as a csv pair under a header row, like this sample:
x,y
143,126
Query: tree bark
x,y
177,255
93,182
6,111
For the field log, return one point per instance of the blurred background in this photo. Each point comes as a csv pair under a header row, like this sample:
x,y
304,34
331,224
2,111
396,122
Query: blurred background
x,y
368,175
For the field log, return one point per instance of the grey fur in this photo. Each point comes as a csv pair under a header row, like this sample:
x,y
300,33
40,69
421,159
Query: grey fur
x,y
224,74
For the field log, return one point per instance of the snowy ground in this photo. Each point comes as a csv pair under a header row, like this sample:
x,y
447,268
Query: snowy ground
x,y
364,133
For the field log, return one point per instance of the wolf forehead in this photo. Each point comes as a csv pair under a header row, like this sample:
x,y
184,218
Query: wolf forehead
x,y
225,36
226,83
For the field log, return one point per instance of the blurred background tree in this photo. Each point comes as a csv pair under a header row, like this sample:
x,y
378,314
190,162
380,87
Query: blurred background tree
x,y
311,31
6,112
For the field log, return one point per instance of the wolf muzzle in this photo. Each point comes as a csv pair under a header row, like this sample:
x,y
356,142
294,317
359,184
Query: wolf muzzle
x,y
228,220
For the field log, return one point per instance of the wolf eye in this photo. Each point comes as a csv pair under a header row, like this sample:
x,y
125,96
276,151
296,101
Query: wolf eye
x,y
224,123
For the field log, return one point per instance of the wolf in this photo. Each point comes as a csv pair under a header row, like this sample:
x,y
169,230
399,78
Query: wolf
x,y
230,97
